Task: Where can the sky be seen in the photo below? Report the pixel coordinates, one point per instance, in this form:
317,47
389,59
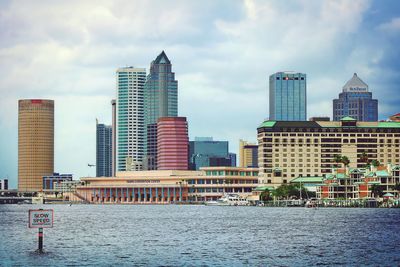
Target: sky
222,53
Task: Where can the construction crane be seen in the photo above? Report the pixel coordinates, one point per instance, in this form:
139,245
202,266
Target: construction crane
91,165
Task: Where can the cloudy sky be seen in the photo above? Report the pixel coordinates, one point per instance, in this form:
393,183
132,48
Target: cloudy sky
222,53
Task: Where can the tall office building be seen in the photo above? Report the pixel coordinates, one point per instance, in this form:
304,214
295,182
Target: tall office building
35,143
160,100
130,119
172,143
248,154
103,150
355,101
114,137
205,152
288,96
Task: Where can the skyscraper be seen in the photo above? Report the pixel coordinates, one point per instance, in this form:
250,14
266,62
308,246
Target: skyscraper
35,143
114,137
205,152
288,96
103,150
160,100
172,143
248,154
355,101
129,119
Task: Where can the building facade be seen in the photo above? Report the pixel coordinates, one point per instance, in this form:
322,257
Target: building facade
205,152
160,100
35,143
172,143
355,101
358,183
114,137
288,96
248,154
130,119
292,149
50,180
103,150
3,184
169,186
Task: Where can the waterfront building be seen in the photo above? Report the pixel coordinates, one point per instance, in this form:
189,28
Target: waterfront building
291,149
66,186
50,180
3,184
395,117
248,153
357,183
35,143
129,119
205,152
114,137
169,186
319,119
288,96
172,143
355,101
160,100
103,150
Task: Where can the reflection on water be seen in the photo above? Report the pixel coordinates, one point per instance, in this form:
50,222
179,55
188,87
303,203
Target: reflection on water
88,235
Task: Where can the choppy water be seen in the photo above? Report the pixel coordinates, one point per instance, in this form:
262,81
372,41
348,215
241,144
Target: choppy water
95,235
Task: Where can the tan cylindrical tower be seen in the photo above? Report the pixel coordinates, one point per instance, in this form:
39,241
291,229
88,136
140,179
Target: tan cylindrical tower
35,143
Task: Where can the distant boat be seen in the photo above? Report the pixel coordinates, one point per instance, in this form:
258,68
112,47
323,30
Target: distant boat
228,200
311,203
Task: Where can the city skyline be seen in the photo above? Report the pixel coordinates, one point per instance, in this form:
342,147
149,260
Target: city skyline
222,60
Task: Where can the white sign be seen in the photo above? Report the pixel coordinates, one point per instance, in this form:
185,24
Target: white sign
41,218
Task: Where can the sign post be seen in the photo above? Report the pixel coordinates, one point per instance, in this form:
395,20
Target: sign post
41,219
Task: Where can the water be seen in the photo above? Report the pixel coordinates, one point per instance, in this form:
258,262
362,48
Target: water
96,235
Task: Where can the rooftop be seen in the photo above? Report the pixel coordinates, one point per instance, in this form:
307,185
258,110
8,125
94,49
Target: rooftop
355,84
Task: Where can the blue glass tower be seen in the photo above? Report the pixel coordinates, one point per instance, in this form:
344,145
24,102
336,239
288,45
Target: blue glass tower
355,101
103,150
288,96
204,152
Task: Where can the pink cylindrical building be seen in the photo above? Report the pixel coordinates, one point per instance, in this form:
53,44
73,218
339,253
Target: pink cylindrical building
172,143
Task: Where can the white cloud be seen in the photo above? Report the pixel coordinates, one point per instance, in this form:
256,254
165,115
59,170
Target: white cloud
222,53
392,26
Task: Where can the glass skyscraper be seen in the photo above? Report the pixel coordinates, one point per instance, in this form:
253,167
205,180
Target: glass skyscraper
288,96
160,100
130,119
355,101
103,150
204,152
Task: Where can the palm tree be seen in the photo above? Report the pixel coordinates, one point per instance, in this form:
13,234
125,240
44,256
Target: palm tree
364,158
375,163
345,161
396,187
376,190
337,159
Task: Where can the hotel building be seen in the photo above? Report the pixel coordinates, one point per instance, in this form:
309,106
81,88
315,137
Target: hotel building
129,119
35,143
292,149
172,143
168,186
355,101
160,100
288,96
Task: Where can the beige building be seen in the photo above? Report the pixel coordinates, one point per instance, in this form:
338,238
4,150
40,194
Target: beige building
289,149
247,154
168,186
35,143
